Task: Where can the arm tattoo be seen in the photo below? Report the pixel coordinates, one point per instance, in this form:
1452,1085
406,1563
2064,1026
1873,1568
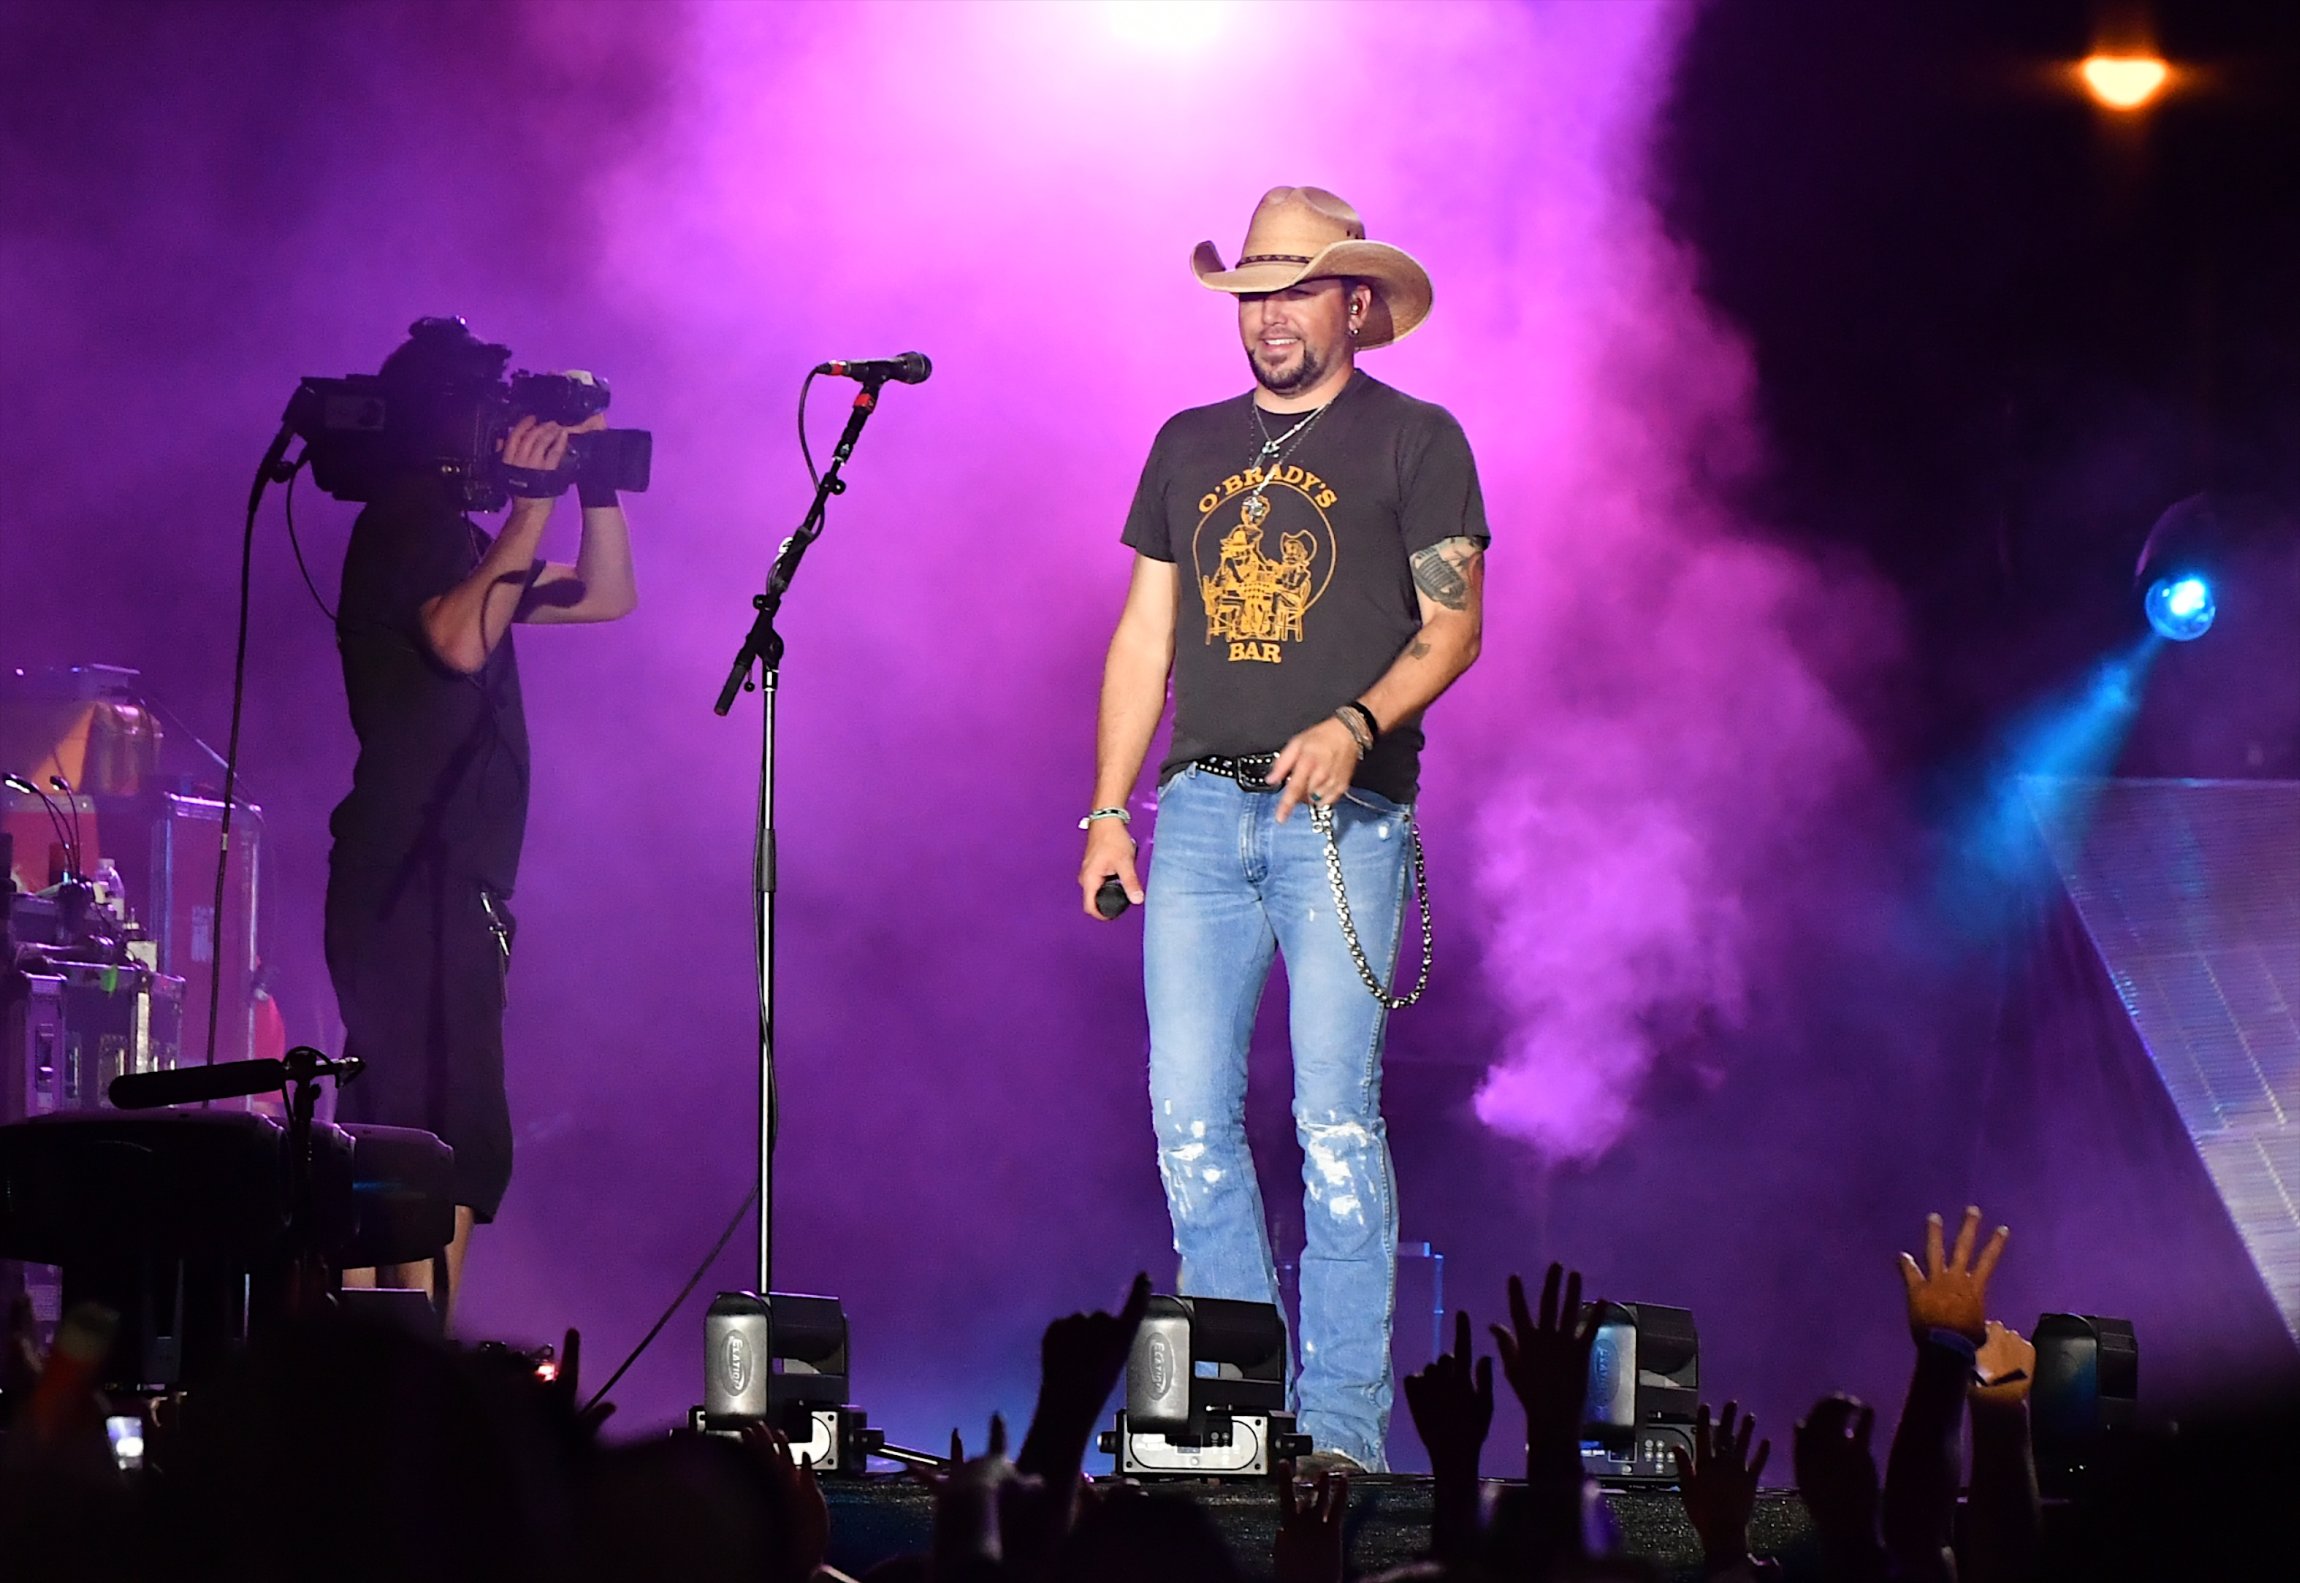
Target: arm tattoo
1419,648
1441,571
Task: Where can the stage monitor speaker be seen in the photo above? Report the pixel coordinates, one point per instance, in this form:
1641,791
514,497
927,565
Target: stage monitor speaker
781,1360
1205,1393
1644,1386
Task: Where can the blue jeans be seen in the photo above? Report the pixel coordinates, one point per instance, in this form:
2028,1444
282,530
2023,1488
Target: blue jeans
1228,885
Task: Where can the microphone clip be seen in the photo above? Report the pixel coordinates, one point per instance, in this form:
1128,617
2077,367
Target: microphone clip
305,1064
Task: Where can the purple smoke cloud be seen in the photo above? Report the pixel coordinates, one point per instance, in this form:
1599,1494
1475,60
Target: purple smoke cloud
1635,757
703,200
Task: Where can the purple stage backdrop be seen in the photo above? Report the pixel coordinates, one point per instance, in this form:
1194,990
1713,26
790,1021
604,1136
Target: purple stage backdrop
1671,1034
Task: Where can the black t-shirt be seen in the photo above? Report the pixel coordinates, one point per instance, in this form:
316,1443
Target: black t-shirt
1297,600
442,770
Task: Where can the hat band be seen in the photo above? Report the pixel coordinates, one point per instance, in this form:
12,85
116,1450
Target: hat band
1273,258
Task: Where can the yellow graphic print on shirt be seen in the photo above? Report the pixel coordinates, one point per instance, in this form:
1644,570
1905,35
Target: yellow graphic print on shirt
1254,601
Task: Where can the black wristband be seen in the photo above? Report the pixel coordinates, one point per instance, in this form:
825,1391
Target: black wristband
1373,731
596,497
535,483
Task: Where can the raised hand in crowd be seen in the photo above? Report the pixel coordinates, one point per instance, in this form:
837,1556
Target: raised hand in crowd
973,1498
1311,1533
1837,1476
1948,1319
1951,1293
1080,1361
2004,1514
1546,1360
2003,1369
580,1423
1452,1406
1719,1484
801,1517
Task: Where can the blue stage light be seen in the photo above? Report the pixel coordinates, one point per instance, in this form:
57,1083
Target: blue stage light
2180,608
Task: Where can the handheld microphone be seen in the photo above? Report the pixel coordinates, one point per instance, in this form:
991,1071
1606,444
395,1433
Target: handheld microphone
1111,899
911,369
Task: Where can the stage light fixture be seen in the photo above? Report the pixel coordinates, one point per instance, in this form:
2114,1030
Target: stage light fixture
2124,82
1644,1386
2181,606
1205,1393
2198,548
781,1360
2085,1390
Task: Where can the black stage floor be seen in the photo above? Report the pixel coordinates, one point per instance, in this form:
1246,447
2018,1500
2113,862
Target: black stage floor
876,1518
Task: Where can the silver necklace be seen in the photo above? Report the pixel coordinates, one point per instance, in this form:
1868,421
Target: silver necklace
1271,447
1271,451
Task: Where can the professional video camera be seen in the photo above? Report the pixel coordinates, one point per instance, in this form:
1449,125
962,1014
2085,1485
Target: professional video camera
442,406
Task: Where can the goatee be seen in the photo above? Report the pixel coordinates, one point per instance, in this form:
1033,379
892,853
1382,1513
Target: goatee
1304,374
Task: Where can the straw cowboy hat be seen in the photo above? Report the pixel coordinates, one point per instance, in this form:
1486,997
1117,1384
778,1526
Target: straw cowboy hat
1306,233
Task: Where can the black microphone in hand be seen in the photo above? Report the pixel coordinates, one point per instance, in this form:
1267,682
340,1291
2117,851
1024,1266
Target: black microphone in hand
1111,899
910,369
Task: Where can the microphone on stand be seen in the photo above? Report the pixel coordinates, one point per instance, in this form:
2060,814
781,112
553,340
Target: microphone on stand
910,369
64,836
72,807
195,1085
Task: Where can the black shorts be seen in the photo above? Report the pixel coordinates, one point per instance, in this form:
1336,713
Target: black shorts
420,965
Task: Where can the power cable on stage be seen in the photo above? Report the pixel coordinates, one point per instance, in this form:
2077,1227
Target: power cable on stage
678,1302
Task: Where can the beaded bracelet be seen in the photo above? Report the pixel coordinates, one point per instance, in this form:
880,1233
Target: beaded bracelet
1119,814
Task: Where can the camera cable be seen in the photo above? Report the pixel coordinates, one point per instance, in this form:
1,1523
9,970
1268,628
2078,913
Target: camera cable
805,454
267,472
296,544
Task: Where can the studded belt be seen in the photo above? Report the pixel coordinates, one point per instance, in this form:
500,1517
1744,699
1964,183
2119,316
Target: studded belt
1251,771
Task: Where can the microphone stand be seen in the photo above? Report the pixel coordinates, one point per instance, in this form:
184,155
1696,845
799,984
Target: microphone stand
763,647
308,1274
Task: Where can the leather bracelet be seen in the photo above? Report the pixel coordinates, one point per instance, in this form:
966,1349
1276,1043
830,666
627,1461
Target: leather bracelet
1119,814
1373,727
1358,737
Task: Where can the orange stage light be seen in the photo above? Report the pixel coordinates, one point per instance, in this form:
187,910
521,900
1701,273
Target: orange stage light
2124,82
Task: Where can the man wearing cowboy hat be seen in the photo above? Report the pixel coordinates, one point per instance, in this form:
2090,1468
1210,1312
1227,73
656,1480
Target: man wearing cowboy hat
1309,568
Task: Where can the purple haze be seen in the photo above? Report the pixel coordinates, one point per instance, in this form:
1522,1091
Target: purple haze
1625,800
1645,737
